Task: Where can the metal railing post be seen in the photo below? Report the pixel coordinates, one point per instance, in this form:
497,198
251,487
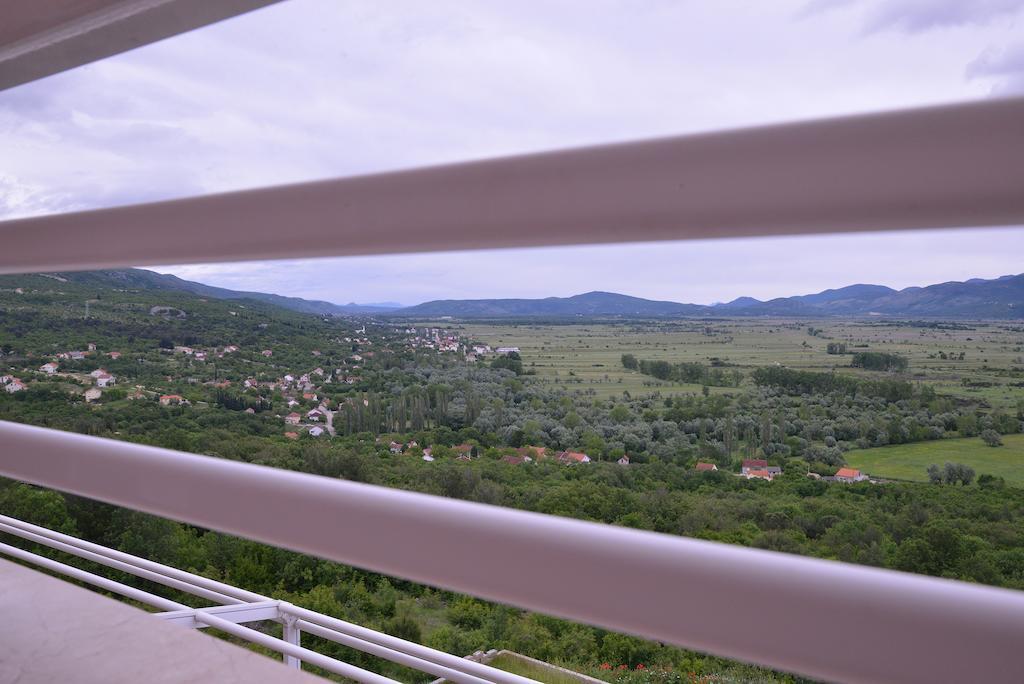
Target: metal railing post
293,635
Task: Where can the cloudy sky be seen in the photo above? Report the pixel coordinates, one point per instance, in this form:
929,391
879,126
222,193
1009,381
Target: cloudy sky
318,88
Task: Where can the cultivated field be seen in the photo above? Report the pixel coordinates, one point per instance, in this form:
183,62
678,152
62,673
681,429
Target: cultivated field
909,461
587,356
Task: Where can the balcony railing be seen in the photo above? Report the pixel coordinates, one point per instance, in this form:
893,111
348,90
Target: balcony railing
960,165
234,607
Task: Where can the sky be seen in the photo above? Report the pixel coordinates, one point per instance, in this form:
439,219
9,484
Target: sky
311,89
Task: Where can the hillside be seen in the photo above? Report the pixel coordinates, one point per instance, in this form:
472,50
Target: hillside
137,278
975,299
588,304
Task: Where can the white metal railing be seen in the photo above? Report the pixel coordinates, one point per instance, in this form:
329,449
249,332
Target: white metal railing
814,617
236,607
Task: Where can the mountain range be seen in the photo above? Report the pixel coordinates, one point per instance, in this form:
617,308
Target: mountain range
976,298
998,298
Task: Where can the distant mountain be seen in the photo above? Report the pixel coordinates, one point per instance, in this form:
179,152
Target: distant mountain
588,304
976,298
140,278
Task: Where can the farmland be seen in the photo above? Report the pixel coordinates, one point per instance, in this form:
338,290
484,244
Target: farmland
587,356
909,461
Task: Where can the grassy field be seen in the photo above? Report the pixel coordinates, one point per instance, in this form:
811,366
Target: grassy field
588,356
909,461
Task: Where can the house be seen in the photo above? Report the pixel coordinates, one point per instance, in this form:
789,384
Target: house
49,368
463,451
753,464
187,351
850,475
758,474
97,373
267,352
4,379
316,431
14,385
532,453
706,467
292,402
91,346
516,460
428,455
92,394
314,414
309,396
507,350
105,380
171,399
395,448
200,356
291,435
76,355
230,349
250,410
292,418
137,394
624,460
572,457
114,355
318,371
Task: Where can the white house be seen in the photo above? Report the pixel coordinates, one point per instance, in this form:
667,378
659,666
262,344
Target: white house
14,385
49,368
507,350
105,380
316,431
92,394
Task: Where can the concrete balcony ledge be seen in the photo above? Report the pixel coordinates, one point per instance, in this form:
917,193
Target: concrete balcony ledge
54,631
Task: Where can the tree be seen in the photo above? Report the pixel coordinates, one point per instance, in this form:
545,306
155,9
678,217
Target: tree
629,361
991,438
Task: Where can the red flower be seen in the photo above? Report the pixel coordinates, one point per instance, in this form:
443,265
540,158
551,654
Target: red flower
622,667
605,666
640,666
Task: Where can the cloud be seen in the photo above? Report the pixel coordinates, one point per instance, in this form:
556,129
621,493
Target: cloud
1003,65
914,16
918,16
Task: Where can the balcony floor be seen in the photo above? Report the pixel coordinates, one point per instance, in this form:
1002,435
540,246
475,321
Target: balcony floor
53,631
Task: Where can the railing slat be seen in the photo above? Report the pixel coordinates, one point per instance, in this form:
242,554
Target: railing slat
951,166
819,618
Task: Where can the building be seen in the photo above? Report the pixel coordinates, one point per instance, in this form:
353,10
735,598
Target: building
292,418
753,464
395,448
291,435
114,355
624,460
507,350
850,475
267,352
92,394
14,385
314,414
171,400
533,453
516,460
49,368
758,474
316,431
572,457
105,380
706,467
